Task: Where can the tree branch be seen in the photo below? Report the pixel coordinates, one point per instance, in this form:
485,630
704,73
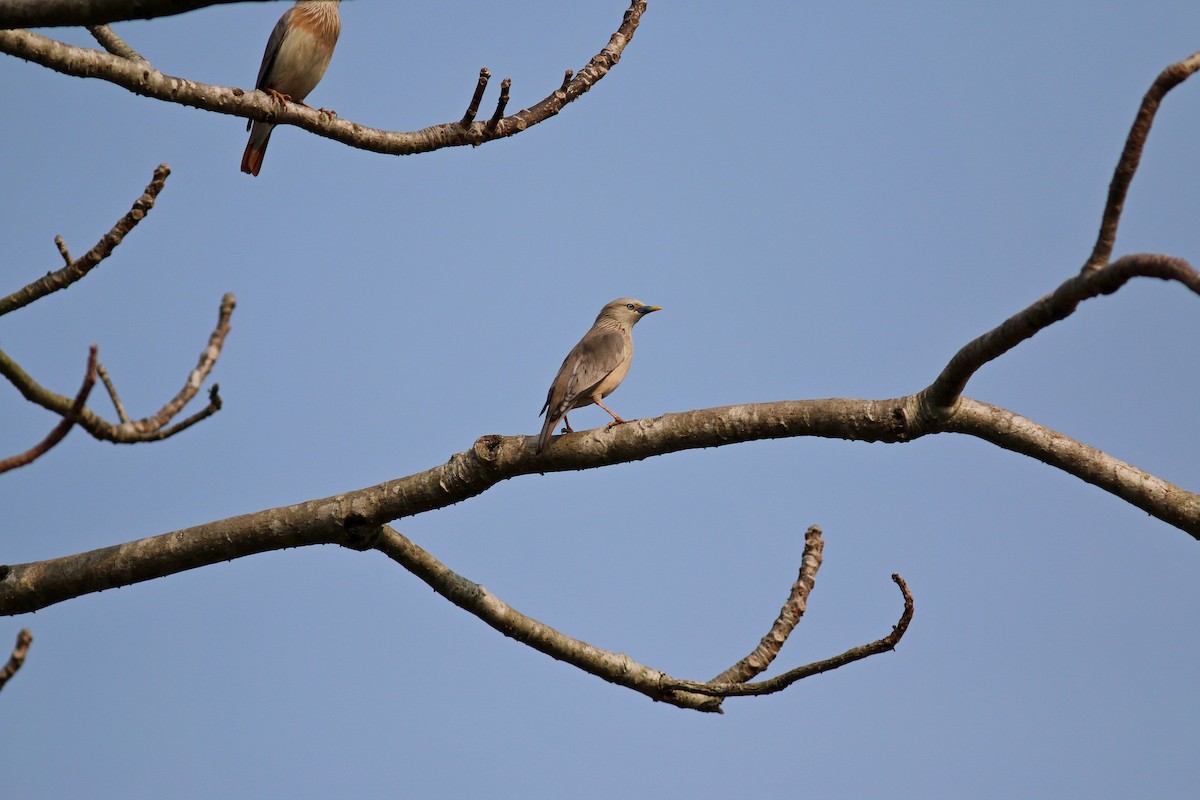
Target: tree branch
62,13
148,429
493,459
64,426
1131,156
76,269
140,78
113,43
615,668
789,616
781,682
17,659
619,668
1056,306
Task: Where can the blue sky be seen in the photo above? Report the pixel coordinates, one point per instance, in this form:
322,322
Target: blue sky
828,200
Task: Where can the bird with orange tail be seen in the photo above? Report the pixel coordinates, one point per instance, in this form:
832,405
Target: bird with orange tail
295,60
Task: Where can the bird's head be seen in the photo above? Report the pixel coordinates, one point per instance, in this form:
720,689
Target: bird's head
625,311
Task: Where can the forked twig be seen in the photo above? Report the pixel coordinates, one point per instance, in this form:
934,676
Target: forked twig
613,667
76,269
149,429
64,425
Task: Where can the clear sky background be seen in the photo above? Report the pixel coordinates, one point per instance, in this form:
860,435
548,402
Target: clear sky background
828,200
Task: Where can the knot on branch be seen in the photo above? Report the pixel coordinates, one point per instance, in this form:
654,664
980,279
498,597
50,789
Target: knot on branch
361,533
487,448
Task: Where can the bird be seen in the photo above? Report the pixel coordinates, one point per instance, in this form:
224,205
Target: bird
294,62
595,367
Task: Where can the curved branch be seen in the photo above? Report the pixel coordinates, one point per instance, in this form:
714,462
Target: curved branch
615,668
64,426
1157,497
140,78
1131,156
62,13
1056,306
17,659
76,269
148,429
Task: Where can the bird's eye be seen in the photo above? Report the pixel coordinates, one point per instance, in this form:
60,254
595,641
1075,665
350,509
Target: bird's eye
629,306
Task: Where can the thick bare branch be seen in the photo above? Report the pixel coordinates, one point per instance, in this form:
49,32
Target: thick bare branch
76,269
17,659
149,429
1155,496
29,587
61,13
140,78
789,616
64,425
1131,156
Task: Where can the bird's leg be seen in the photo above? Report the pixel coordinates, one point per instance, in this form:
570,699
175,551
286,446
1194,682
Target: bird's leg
616,420
567,426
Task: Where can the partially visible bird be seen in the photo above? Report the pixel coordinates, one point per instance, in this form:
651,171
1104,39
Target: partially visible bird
595,367
295,60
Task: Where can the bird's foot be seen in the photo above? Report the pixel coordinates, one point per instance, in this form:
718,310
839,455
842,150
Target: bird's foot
617,421
279,96
327,113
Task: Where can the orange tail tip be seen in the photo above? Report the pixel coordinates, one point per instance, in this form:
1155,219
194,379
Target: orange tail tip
252,159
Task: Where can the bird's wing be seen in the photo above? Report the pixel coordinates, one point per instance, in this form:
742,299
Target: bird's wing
273,44
590,362
272,50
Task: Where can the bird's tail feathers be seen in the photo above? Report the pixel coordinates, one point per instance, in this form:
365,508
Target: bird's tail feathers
547,431
256,148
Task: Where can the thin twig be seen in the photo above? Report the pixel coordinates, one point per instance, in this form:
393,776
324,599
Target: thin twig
501,104
789,615
62,250
214,405
64,425
112,393
17,659
76,269
477,98
113,43
208,359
